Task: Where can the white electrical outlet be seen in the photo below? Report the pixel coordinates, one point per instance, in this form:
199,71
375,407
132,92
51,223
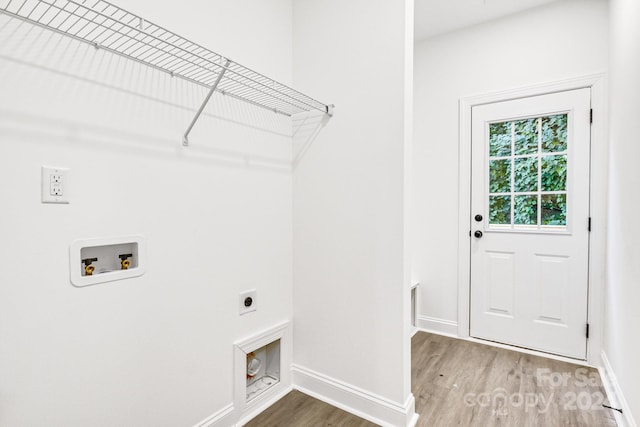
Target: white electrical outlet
248,301
55,185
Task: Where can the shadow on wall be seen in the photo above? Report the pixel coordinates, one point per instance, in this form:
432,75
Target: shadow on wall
56,87
306,127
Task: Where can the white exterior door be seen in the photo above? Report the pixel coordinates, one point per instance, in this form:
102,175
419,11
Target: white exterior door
530,222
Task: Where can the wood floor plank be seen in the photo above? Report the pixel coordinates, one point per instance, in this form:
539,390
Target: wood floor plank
467,384
299,410
462,383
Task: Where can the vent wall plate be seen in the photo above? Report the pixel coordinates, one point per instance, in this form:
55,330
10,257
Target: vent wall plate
262,369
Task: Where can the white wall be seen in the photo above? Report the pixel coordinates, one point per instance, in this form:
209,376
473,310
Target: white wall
351,312
155,350
622,346
562,40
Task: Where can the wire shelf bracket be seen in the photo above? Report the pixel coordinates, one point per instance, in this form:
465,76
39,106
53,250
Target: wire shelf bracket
109,27
185,138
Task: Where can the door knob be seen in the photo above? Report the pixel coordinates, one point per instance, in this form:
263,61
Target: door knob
478,217
478,234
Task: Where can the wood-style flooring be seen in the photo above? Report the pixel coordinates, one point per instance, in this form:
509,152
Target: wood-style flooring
299,410
461,383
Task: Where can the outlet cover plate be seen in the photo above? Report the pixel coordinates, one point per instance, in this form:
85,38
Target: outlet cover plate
55,185
244,309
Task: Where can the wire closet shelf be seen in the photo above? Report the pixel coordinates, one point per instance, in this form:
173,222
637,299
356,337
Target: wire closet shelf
109,27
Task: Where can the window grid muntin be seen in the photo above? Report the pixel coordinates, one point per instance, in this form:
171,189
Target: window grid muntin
540,154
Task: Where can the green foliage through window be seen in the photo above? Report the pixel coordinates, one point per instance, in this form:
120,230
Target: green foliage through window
500,176
499,209
554,209
500,139
554,173
526,174
554,133
526,136
525,210
527,161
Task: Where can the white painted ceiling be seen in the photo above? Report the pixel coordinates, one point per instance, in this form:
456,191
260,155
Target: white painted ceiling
433,17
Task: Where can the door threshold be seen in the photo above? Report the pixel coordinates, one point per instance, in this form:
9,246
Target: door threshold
582,362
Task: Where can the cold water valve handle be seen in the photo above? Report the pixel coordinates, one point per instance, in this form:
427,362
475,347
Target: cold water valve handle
124,262
88,268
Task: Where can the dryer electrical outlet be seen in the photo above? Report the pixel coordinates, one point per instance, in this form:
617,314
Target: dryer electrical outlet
248,301
55,185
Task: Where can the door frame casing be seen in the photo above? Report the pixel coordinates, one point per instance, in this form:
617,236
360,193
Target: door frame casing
597,200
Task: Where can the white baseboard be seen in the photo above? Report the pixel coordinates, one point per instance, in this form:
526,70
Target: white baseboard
614,393
362,403
223,418
262,406
438,326
227,416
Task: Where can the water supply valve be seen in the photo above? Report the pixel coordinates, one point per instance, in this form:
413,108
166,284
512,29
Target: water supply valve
88,268
124,261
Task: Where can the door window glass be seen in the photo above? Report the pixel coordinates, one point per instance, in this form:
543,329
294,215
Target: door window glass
528,173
